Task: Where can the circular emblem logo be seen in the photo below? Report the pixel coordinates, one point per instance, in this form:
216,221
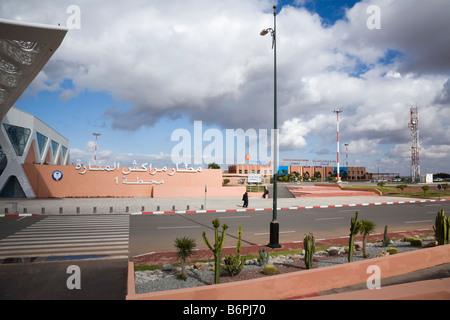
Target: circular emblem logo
57,175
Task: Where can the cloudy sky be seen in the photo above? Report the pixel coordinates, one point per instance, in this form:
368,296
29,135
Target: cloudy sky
137,71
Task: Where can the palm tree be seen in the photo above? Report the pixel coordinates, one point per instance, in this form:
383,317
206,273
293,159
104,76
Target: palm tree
185,248
367,227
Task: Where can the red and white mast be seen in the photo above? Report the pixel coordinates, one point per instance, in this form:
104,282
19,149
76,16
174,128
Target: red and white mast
337,118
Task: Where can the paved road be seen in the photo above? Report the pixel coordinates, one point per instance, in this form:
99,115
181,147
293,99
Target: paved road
47,237
151,233
55,237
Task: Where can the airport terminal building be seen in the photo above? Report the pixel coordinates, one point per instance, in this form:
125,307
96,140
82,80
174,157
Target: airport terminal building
25,48
34,158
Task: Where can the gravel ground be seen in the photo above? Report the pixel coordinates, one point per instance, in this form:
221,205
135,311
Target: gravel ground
152,281
372,252
170,282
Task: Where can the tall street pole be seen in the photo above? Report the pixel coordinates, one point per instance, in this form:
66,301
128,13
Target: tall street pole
337,116
274,226
96,134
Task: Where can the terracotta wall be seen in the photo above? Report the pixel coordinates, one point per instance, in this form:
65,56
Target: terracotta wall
302,283
79,181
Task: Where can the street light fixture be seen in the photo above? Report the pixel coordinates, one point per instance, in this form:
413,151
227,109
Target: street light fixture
96,134
274,226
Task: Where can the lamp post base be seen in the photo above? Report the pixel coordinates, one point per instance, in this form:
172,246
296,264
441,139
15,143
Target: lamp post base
274,235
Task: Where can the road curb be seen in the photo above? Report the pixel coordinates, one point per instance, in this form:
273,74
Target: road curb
5,215
289,208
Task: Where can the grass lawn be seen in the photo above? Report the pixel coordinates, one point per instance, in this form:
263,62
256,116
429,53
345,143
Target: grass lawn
412,192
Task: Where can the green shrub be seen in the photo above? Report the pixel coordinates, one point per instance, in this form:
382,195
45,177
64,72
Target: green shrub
234,264
182,276
270,270
185,248
346,250
392,251
263,257
415,242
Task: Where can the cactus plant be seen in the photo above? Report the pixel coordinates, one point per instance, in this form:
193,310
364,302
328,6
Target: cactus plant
217,248
355,226
392,250
263,257
309,246
441,228
386,240
415,242
270,270
234,264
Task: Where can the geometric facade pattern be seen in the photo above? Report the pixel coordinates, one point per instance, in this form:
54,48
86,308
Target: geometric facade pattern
26,139
18,137
25,48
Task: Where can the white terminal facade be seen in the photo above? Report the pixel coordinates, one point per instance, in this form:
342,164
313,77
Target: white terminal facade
25,48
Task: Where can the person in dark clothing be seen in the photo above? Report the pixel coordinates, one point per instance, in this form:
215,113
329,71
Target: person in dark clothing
266,192
245,199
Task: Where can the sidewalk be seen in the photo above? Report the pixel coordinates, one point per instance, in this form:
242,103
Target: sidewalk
183,205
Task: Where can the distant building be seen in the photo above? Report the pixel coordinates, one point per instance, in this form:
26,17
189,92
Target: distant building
263,170
426,178
322,173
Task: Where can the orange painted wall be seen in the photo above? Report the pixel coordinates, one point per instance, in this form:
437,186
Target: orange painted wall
103,183
302,283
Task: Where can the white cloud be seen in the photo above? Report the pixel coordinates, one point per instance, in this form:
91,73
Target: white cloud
293,132
364,146
205,60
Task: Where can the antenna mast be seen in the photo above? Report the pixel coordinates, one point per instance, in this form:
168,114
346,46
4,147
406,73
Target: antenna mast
414,127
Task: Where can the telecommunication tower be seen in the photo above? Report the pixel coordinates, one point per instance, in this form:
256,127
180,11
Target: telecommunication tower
414,127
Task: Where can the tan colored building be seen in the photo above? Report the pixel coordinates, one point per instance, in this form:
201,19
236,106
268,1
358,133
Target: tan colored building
263,170
322,173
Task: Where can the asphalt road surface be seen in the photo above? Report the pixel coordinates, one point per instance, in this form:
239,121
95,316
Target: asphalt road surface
152,233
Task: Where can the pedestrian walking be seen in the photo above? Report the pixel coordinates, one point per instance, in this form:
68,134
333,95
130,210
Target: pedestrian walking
245,199
266,193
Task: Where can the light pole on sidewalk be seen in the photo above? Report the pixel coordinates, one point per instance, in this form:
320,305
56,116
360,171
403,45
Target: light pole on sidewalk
274,226
96,134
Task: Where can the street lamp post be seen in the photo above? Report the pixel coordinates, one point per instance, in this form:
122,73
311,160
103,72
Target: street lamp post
274,226
346,161
96,134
